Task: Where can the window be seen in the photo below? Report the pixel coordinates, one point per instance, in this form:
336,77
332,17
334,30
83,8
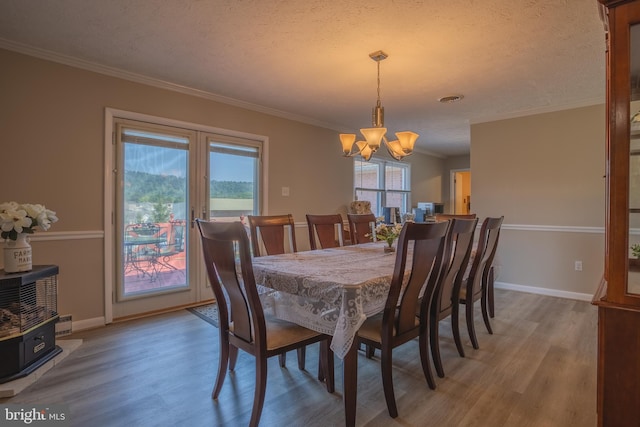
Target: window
383,183
234,178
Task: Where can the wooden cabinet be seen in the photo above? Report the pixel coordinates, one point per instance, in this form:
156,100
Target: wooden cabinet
618,297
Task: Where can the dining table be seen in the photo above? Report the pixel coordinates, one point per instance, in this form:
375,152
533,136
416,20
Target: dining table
331,291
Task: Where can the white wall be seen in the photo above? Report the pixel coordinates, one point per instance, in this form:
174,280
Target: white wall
544,173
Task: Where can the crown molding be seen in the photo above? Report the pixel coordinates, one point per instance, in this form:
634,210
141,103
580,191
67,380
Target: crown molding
588,102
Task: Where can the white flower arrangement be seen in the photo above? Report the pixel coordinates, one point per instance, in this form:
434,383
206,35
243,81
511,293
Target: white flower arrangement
388,233
16,218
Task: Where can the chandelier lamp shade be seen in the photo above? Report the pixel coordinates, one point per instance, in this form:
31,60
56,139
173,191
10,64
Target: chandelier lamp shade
374,136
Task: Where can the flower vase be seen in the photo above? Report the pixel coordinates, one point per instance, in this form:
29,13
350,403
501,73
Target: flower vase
17,255
389,247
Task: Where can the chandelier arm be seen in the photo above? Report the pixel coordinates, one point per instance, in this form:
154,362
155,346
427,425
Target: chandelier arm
354,152
393,153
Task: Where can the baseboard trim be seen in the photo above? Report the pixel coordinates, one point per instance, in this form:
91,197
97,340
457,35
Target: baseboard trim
544,291
80,325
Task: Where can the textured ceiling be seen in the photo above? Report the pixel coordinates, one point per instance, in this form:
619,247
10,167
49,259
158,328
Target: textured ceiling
310,58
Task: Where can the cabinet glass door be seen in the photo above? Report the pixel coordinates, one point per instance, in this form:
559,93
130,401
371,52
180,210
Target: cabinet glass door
633,286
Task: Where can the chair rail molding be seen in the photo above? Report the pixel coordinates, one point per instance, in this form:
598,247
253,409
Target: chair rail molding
66,235
555,228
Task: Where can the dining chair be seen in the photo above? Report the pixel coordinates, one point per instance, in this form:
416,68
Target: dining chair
269,231
476,285
174,245
398,323
359,226
445,301
326,228
243,324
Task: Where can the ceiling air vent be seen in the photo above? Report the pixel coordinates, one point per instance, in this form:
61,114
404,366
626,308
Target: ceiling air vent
450,98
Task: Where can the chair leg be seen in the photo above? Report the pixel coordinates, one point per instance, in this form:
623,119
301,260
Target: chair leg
492,307
455,327
325,366
370,351
424,359
222,367
233,357
434,334
283,359
387,380
261,386
485,313
302,354
321,363
470,326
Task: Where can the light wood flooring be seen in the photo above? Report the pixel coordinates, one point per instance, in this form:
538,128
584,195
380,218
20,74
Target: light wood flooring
537,369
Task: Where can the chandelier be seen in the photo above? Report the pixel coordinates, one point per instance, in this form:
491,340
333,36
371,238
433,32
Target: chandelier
398,149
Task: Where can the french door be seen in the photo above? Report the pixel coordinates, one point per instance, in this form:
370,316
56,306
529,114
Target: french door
165,177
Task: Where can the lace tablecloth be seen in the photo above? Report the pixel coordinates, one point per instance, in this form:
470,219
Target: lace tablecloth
330,291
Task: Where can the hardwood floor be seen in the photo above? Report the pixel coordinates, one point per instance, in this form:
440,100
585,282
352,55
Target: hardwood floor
538,369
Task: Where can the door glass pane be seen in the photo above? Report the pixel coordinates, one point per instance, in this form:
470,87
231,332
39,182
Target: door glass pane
154,212
233,181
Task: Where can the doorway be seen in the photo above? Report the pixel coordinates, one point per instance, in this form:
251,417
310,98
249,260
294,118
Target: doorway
162,175
460,191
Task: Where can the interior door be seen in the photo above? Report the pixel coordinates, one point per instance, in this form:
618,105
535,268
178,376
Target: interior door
461,191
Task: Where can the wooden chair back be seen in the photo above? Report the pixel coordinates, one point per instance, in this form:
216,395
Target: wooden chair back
220,243
406,296
359,226
480,280
270,230
327,228
457,255
485,253
459,243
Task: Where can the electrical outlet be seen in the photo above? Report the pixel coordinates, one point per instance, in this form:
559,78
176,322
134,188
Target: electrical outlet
285,191
578,265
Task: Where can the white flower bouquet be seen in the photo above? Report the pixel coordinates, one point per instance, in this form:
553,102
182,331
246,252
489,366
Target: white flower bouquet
388,233
23,218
